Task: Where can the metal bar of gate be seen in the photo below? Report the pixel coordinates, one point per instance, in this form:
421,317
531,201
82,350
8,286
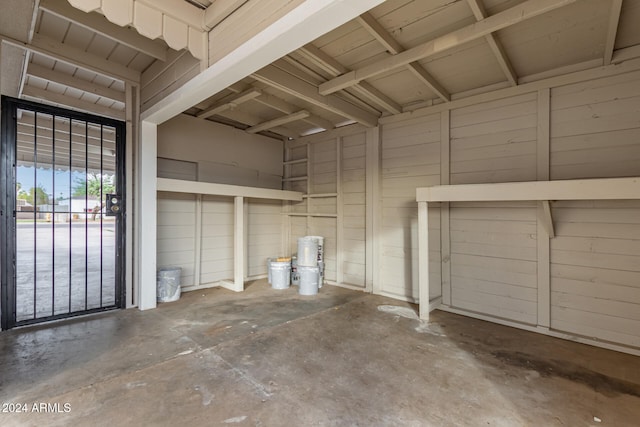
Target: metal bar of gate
35,213
53,216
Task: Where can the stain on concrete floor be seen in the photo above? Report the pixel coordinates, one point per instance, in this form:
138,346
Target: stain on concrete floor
273,358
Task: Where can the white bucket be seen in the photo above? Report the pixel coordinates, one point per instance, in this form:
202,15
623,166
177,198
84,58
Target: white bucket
280,274
295,275
309,280
307,252
269,260
320,241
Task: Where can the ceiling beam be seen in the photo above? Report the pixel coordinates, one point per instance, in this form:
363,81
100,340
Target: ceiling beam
229,103
76,57
496,46
285,82
49,75
279,104
334,68
102,26
306,22
374,28
270,124
284,107
23,76
504,19
73,103
219,10
612,30
249,120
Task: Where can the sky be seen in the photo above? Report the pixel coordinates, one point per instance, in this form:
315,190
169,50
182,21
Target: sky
56,184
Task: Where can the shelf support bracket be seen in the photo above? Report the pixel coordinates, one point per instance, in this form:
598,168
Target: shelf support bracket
546,218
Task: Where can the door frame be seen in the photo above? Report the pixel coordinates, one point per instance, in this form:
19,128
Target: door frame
8,135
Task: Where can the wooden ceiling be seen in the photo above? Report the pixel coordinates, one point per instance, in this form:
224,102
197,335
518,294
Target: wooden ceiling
400,56
407,54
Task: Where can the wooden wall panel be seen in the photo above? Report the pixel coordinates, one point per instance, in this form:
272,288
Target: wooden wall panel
493,245
494,259
354,209
595,128
595,270
176,234
410,159
494,141
217,239
264,233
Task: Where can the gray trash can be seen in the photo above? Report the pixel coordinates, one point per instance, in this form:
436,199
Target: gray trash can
168,284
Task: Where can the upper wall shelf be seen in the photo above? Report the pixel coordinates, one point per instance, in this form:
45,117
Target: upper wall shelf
575,189
196,187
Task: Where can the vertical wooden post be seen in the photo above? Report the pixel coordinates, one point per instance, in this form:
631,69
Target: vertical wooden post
423,259
146,220
543,174
445,230
130,213
238,244
198,242
340,212
372,197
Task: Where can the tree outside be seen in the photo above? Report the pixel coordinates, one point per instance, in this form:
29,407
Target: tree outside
92,184
35,196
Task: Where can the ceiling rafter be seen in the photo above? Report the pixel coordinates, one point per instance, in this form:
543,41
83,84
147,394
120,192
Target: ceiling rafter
612,30
370,24
49,75
302,71
27,55
229,103
287,83
248,120
100,25
279,104
284,107
496,46
270,124
23,77
334,68
73,103
504,19
76,57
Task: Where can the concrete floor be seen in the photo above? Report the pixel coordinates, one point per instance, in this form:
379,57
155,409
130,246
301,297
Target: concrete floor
272,358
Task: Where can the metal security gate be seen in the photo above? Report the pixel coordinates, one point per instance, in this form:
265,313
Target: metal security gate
62,228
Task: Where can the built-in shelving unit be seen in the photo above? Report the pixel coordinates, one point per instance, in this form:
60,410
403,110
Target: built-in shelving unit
239,193
541,191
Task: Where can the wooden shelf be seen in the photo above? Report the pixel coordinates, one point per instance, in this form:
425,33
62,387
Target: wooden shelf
574,189
197,187
319,196
321,215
